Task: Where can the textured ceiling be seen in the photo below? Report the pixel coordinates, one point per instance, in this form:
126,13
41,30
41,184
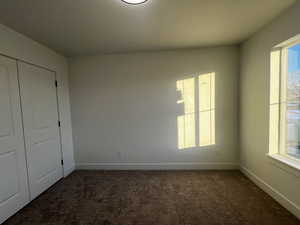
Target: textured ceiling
85,27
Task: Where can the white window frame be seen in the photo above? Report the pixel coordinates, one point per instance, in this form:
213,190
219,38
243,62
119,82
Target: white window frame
279,153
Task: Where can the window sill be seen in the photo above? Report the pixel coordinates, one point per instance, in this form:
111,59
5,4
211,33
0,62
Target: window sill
286,163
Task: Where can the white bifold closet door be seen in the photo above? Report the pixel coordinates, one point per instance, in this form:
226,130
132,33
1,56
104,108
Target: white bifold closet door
14,192
41,131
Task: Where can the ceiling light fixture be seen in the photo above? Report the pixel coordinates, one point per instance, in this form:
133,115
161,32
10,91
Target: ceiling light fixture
134,2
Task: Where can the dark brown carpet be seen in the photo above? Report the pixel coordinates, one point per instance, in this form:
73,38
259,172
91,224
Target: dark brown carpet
154,198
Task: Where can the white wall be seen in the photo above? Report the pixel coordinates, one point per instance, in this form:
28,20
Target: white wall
124,109
254,100
18,46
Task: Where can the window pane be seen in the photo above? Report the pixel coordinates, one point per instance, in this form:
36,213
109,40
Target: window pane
293,102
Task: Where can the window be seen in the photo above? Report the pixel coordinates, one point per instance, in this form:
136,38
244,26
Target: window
196,124
284,126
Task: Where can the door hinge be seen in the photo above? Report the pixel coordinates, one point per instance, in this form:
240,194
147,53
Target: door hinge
58,123
56,83
62,162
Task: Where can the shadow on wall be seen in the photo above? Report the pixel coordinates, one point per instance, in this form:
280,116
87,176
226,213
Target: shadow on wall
196,101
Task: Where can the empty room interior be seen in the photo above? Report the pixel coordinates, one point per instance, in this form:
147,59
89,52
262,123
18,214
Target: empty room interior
150,112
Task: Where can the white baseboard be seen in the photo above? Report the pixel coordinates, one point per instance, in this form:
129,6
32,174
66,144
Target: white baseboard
279,197
157,166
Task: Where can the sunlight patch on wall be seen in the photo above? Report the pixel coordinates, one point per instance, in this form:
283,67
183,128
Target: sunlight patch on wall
207,109
186,122
198,106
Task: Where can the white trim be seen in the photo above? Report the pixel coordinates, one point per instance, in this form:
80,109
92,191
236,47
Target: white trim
286,163
157,166
279,197
290,42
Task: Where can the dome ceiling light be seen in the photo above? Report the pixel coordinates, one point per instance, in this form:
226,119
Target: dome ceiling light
134,2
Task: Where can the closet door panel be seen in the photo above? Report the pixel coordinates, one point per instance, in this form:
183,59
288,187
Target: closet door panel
40,115
14,192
